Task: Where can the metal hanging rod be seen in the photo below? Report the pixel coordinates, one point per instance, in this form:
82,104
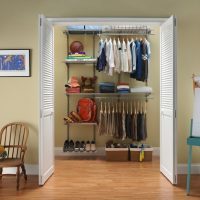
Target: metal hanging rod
114,30
126,30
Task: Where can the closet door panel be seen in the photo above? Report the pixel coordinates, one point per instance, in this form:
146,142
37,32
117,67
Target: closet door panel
168,162
46,132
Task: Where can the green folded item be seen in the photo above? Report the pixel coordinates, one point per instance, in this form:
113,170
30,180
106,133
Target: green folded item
82,57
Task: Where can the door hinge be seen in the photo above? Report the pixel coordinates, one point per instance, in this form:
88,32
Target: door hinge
175,113
40,21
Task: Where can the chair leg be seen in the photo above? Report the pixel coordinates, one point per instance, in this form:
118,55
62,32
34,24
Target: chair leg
24,172
1,170
18,176
189,169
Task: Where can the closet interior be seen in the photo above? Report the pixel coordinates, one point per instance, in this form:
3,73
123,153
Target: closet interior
107,90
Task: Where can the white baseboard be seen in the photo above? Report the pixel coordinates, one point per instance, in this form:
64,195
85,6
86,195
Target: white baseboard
30,170
195,168
100,152
156,151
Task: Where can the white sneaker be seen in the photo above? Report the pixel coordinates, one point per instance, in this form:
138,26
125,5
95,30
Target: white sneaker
93,146
88,146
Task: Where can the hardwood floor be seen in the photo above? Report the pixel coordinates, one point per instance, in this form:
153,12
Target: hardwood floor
95,179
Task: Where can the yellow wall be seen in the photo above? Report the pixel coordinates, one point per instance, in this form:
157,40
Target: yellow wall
86,132
19,29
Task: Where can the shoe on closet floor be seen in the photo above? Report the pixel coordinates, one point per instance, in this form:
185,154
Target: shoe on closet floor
109,144
66,146
71,146
88,146
82,146
93,146
77,146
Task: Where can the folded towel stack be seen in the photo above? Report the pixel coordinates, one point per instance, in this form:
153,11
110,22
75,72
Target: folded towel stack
80,56
123,88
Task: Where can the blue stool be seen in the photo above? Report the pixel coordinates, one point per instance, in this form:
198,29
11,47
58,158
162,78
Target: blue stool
191,141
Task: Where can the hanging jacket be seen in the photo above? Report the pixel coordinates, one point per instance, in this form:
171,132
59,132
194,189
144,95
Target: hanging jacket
101,59
138,73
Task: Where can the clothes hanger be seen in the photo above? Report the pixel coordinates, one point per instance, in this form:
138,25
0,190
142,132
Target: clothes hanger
145,107
135,109
127,107
131,108
116,108
138,107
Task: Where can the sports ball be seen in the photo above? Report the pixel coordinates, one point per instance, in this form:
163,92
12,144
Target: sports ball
76,46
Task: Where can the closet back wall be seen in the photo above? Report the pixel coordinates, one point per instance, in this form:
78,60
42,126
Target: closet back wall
20,96
86,132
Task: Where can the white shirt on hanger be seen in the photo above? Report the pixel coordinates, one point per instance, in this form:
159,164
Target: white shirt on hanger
110,58
119,46
129,56
124,57
107,56
116,57
148,48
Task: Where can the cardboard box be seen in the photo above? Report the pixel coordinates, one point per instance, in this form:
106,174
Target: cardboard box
117,154
135,154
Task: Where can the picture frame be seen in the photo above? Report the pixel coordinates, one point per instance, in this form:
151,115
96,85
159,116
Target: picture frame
15,63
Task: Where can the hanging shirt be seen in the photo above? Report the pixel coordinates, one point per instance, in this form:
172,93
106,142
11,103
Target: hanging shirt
148,49
129,56
106,47
138,73
119,46
124,57
144,69
110,58
116,57
133,56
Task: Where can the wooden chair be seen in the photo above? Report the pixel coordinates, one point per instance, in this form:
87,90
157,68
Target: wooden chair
13,137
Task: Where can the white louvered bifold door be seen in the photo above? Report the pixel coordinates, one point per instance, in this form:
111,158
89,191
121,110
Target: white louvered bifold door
168,159
46,133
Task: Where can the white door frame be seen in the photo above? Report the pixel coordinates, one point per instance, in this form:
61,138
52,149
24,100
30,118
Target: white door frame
108,21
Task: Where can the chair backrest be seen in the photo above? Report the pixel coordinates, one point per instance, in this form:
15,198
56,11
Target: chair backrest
13,137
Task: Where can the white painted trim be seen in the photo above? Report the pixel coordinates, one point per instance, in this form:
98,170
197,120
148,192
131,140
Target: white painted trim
107,21
195,168
156,151
30,169
44,177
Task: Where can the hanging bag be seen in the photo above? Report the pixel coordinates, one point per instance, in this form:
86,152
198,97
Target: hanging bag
86,109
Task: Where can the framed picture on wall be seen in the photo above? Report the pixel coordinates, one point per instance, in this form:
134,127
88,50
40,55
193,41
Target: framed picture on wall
15,62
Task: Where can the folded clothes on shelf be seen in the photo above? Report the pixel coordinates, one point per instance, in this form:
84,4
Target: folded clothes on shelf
106,87
123,91
73,90
123,88
144,89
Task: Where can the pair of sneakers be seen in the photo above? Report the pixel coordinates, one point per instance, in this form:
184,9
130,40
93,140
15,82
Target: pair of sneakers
79,146
68,146
90,146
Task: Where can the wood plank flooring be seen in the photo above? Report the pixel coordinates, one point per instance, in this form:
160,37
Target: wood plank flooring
96,179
